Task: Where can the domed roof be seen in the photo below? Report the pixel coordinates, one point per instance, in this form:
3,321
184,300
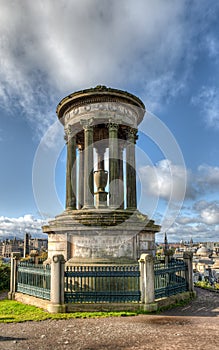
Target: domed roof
216,264
100,93
203,251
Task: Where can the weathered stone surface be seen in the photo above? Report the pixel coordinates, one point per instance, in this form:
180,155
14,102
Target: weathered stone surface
101,234
101,225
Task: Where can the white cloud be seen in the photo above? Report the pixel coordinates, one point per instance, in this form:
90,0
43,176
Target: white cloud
208,177
204,180
211,215
200,222
198,231
11,227
212,46
208,212
208,100
51,48
164,180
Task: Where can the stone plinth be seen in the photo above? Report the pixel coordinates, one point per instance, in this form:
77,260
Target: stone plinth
101,234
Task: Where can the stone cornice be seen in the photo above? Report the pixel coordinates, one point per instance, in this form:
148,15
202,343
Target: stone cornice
97,95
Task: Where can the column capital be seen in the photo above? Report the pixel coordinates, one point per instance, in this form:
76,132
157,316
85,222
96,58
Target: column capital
87,124
68,133
131,134
113,126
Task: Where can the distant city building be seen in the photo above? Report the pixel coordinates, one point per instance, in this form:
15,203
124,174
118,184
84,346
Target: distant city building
10,245
205,257
25,246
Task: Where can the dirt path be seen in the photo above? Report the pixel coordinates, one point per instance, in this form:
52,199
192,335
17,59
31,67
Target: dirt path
195,326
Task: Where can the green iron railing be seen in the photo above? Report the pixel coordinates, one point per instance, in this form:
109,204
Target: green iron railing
169,279
102,284
34,280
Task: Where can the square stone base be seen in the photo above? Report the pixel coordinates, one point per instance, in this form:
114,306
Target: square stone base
85,236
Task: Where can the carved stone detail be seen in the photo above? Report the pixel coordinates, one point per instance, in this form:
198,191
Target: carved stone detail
68,133
112,126
131,134
87,124
124,111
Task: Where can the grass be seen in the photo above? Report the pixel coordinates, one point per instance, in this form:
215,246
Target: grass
179,303
206,285
14,311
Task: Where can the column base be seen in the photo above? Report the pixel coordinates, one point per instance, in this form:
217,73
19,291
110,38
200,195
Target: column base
56,308
11,295
70,209
114,207
88,207
151,307
101,199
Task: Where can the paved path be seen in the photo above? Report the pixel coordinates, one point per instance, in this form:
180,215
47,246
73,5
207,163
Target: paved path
195,326
206,304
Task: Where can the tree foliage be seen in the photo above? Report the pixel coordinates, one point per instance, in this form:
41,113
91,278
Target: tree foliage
4,276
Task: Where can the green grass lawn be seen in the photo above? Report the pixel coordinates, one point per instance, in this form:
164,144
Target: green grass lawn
14,311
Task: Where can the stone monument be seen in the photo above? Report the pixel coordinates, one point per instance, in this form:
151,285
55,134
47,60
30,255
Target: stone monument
101,222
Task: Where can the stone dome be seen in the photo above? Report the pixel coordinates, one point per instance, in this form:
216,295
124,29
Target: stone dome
216,264
203,251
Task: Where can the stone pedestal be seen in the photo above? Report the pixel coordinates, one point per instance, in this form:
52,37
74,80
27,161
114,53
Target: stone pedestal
56,304
101,234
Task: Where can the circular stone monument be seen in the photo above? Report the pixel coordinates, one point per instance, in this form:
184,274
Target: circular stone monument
101,221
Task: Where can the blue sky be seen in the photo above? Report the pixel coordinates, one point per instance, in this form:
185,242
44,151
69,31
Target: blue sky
164,51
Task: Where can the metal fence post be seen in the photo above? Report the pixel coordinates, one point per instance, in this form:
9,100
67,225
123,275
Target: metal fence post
187,258
146,262
56,304
15,257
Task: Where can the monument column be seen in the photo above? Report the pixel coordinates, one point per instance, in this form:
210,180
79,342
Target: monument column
113,166
88,164
81,179
70,170
121,184
131,195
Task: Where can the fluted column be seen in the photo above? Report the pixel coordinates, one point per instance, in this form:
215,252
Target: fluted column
131,195
70,170
113,166
88,164
81,179
121,184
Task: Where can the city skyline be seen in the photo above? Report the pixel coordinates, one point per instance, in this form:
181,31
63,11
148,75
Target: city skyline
166,53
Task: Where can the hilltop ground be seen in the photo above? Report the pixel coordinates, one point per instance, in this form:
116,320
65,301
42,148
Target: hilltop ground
194,326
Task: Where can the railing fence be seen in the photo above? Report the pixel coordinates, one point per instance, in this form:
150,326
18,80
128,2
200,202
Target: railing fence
169,278
34,280
144,283
102,284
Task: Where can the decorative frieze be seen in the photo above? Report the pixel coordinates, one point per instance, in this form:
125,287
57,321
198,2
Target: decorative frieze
116,111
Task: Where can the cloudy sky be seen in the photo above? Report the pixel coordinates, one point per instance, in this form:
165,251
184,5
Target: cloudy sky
164,51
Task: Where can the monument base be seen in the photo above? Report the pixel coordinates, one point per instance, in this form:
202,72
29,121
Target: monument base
101,236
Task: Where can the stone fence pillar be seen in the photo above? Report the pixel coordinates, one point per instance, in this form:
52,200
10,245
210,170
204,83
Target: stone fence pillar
187,258
57,284
15,257
146,262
